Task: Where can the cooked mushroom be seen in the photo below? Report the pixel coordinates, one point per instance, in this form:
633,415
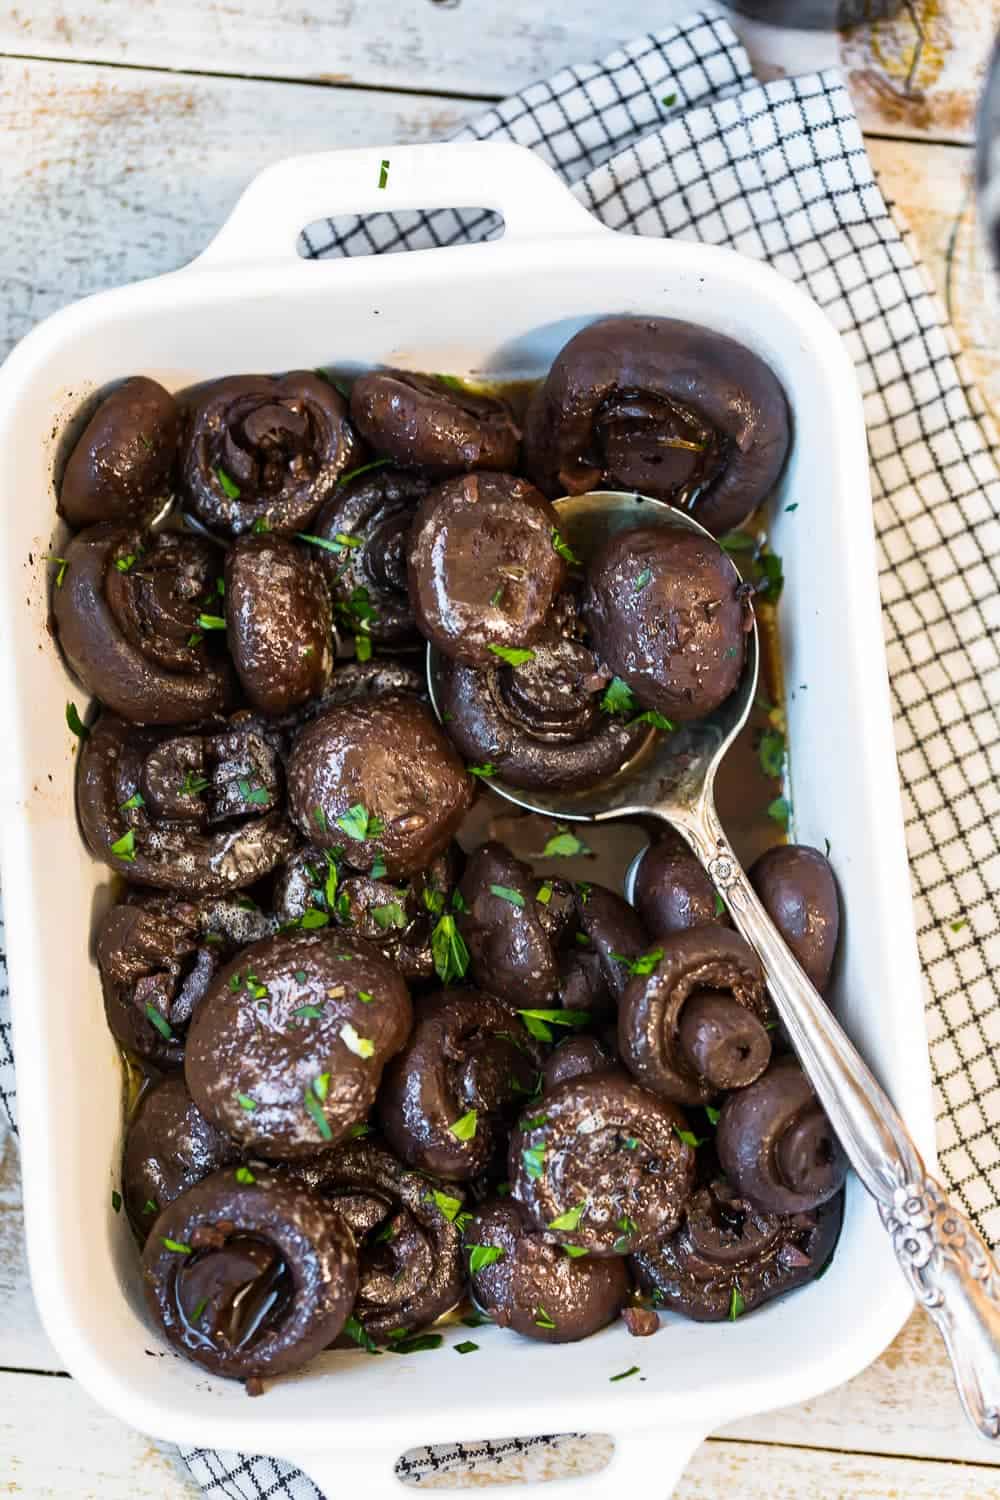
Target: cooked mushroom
119,468
797,887
286,1050
429,423
157,957
249,1274
361,538
278,623
406,1228
523,1281
729,1257
668,614
263,453
573,1058
673,891
169,1147
600,1164
447,1099
777,1146
664,408
541,723
507,929
378,777
128,617
195,813
693,1018
594,971
483,567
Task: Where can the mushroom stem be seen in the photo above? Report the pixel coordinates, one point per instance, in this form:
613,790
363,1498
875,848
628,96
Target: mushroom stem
722,1040
807,1156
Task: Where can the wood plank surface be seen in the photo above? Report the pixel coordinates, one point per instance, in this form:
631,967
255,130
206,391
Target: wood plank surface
475,47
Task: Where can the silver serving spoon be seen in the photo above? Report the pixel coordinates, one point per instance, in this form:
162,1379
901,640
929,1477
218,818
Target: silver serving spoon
943,1256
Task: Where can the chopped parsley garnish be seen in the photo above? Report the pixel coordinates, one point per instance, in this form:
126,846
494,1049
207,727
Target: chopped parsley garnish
771,752
544,893
632,1370
75,723
450,1207
482,1256
689,1138
772,579
486,770
543,1320
534,1161
451,956
573,1251
319,818
570,1220
378,868
62,563
192,784
668,101
466,1347
507,894
314,1108
719,904
539,1022
496,595
644,579
618,698
341,542
321,1086
655,718
738,541
581,939
417,1344
626,1225
116,1201
150,1206
136,800
713,1114
564,549
354,1330
793,506
176,1247
389,916
358,823
211,622
161,1024
737,1306
261,526
245,1102
514,656
357,1131
365,997
309,1012
244,1175
464,1128
376,463
779,810
127,563
564,845
229,487
433,900
194,639
257,990
583,889
383,173
125,846
199,1309
358,610
458,901
310,919
957,926
535,1123
363,647
644,964
359,1045
255,795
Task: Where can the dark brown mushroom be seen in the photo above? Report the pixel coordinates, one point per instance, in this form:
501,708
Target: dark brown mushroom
729,1257
169,1146
539,724
673,891
799,892
262,452
157,957
361,537
600,1164
198,814
405,1226
522,1281
378,777
425,422
249,1275
693,1018
777,1146
662,407
507,929
278,623
483,568
594,969
668,614
286,1050
129,620
573,1058
119,469
447,1099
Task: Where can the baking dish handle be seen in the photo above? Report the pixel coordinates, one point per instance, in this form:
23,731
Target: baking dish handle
643,1463
285,198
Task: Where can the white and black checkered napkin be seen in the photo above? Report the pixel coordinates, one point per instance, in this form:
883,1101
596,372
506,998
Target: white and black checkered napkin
670,136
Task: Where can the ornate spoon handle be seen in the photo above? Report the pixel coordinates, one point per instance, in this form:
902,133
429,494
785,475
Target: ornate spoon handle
943,1256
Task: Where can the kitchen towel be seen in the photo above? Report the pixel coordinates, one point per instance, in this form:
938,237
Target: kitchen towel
671,136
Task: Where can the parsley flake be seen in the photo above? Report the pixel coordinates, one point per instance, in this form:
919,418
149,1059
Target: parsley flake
389,915
125,846
75,723
482,1256
245,1102
514,656
655,718
565,845
780,811
689,1138
719,904
644,579
448,949
771,752
534,1161
464,1128
632,1370
211,622
543,1320
737,1306
62,563
383,173
229,487
161,1024
176,1247
644,964
450,1207
314,1109
507,894
713,1114
361,1336
466,1347
136,800
618,698
486,770
564,549
544,893
573,1251
116,1201
570,1220
538,1022
358,823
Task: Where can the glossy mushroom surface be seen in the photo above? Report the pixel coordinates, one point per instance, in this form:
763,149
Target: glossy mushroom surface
531,1285
405,1227
199,814
507,929
286,1050
263,451
776,1145
668,614
728,1257
662,407
127,616
249,1278
693,1022
447,1100
593,975
169,1146
483,568
573,1058
600,1164
798,889
379,778
424,422
673,891
279,625
119,469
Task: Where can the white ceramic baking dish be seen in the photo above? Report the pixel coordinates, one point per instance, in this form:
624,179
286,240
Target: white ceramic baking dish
504,308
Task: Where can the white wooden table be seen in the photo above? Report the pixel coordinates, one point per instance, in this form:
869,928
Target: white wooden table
128,128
